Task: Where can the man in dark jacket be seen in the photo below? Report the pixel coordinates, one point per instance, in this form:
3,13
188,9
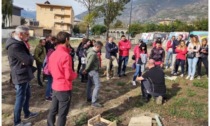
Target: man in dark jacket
21,63
39,56
81,45
153,83
111,56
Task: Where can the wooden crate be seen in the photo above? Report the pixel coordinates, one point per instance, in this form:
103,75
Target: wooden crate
98,118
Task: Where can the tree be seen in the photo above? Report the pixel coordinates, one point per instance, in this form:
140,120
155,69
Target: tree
7,7
89,5
98,29
118,24
76,29
82,27
90,18
135,28
110,11
23,21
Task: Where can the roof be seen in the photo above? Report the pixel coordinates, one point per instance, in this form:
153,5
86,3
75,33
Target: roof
52,5
17,7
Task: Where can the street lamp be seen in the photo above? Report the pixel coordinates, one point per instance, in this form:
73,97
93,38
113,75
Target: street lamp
130,18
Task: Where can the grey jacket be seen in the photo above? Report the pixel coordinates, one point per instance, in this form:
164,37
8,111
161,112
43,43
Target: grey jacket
20,61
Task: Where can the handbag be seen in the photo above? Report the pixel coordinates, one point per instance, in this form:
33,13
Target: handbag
133,57
191,55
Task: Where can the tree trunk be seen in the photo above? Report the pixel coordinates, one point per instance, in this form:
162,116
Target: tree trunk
107,33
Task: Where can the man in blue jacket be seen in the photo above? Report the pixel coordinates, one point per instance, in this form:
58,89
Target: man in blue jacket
111,56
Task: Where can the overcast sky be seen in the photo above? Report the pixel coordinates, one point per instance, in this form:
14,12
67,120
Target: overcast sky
31,4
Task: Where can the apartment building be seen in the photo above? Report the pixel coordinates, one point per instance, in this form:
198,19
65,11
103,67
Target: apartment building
54,18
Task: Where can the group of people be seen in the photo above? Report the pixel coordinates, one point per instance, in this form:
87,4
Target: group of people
189,55
55,57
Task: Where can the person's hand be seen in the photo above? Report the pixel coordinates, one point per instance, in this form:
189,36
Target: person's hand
161,65
84,72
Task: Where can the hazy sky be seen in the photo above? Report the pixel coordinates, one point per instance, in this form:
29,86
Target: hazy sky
31,4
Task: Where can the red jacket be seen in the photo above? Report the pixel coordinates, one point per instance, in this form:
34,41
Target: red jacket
137,52
124,48
169,45
60,67
181,54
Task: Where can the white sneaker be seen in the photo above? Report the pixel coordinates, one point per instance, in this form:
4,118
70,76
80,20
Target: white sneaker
199,77
182,75
188,77
134,83
191,78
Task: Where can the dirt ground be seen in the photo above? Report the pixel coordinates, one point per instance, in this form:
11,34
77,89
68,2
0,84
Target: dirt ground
120,98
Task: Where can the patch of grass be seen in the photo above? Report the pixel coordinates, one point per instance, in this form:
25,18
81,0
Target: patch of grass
83,119
111,117
202,84
190,93
121,83
180,101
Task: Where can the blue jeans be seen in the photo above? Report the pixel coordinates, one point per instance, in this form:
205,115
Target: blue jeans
192,63
49,86
169,59
138,72
143,67
23,94
124,60
93,78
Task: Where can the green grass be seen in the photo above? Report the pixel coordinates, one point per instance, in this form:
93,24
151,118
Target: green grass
83,119
202,84
121,83
112,117
190,93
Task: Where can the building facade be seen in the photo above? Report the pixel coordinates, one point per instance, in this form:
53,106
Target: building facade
16,17
54,18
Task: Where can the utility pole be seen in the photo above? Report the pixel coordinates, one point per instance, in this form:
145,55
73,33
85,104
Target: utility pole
130,18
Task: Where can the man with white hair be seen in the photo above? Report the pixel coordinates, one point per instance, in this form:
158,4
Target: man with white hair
21,62
153,83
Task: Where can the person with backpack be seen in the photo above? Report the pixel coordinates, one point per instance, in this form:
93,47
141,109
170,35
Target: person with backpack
137,54
158,54
203,57
39,55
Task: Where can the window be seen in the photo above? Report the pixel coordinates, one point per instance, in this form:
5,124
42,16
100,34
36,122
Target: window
51,8
62,9
62,17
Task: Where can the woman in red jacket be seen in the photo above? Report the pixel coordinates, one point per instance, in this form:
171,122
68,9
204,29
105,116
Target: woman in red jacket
181,51
137,53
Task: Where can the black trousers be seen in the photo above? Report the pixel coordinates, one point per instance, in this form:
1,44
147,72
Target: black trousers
39,70
79,64
60,105
205,63
178,62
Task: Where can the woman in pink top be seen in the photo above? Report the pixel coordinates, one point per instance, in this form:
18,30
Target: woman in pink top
181,51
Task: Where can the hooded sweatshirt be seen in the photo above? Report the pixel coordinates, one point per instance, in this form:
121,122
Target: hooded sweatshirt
124,47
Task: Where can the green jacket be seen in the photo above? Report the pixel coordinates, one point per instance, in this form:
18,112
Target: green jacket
39,54
92,60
